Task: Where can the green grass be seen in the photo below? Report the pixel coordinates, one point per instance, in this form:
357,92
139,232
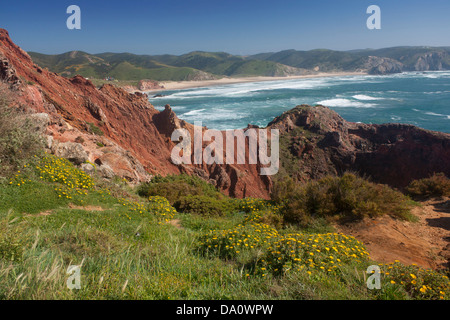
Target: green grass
127,250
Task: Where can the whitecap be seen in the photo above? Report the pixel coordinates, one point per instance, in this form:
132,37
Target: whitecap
437,114
345,103
193,112
364,97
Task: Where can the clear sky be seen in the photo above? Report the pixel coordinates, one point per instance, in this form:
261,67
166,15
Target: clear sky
234,26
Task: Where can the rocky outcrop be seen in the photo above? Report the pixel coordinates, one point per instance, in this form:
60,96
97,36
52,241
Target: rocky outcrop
71,151
381,66
197,75
131,138
316,142
431,61
149,85
75,106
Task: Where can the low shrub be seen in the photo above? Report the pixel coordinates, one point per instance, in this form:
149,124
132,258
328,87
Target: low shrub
346,197
413,282
94,129
19,140
161,208
205,206
261,211
243,237
326,252
173,187
437,185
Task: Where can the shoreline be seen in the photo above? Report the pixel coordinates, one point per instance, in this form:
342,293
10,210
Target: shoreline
180,85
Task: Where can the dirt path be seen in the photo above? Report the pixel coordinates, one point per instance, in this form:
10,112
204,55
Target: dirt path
425,243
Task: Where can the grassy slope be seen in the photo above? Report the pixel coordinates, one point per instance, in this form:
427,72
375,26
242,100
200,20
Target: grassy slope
56,216
127,66
326,60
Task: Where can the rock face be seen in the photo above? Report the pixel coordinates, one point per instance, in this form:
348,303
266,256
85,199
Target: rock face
148,85
124,135
432,61
428,61
377,65
121,132
316,141
71,151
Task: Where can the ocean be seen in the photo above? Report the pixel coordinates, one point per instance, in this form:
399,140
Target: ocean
418,98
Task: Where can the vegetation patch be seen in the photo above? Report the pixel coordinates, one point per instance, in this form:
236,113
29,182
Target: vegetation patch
412,282
348,198
19,140
437,185
94,129
205,205
173,187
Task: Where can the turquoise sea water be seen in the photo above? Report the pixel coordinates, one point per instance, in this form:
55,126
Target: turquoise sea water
419,98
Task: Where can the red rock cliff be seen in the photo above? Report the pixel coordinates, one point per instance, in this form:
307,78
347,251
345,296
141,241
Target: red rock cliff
134,132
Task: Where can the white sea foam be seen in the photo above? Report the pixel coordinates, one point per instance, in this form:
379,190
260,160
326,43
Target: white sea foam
193,112
248,89
364,97
212,115
396,118
437,114
345,103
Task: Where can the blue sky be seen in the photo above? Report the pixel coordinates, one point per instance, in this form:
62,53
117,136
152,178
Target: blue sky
238,27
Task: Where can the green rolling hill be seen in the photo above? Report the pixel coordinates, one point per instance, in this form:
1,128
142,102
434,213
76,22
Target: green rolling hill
199,65
411,58
191,66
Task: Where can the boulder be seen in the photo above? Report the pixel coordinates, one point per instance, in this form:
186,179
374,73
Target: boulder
106,171
88,168
72,151
40,121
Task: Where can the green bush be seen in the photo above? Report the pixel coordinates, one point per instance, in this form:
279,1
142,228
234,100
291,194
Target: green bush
347,197
173,187
437,185
205,206
95,130
19,141
229,243
413,282
161,208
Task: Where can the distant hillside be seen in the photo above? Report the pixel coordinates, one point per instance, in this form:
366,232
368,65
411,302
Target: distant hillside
121,66
200,65
321,59
388,60
416,58
191,66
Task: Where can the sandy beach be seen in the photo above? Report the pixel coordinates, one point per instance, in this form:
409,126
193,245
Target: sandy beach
179,85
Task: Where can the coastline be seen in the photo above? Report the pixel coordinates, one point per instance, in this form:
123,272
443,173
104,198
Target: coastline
180,85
